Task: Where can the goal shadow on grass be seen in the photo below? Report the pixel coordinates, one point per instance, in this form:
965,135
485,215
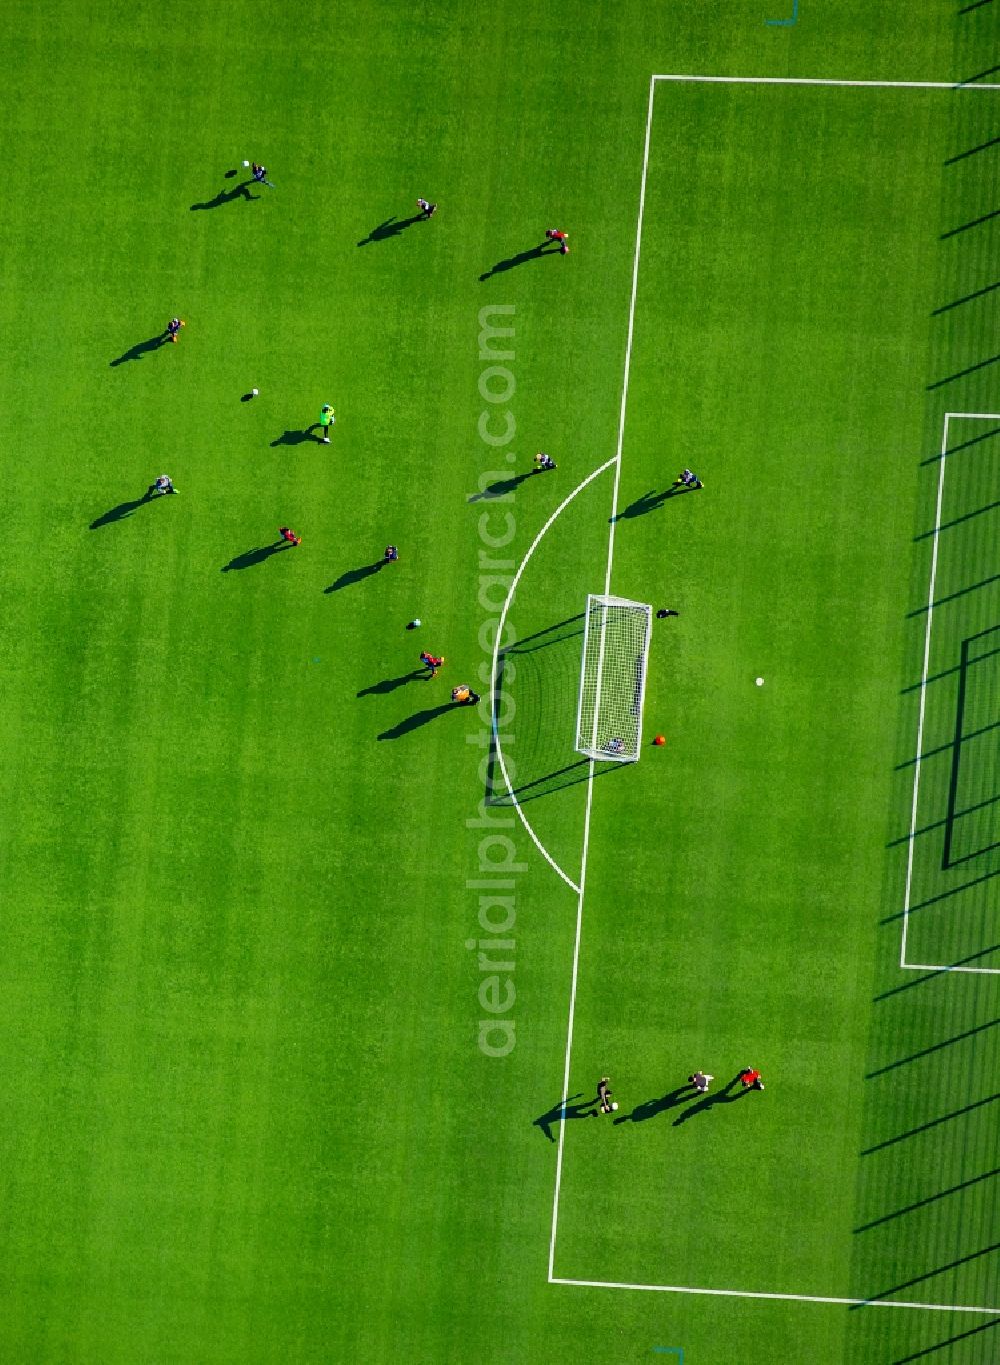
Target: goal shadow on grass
541,676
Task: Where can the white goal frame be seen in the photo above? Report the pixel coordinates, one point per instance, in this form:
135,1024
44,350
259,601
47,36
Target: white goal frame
623,742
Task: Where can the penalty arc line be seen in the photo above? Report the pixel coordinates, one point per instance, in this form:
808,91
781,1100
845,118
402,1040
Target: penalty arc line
502,621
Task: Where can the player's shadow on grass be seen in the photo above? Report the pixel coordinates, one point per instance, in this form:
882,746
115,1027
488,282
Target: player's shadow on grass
241,191
502,486
251,557
296,438
356,575
535,253
565,1109
391,227
649,502
140,349
415,721
119,513
650,1108
387,685
726,1095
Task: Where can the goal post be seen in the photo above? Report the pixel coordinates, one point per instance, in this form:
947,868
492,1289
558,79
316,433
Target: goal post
613,678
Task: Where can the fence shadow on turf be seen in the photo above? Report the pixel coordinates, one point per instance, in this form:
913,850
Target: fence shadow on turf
973,1331
930,1199
957,303
971,151
925,1275
541,673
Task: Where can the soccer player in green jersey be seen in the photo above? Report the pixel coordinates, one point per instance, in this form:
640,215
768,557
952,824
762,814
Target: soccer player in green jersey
326,421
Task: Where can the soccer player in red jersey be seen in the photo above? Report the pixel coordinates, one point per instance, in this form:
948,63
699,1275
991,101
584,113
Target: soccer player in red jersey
554,235
288,534
431,661
750,1077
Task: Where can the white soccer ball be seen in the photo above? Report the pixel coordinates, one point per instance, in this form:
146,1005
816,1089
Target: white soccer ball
255,392
416,620
760,682
246,163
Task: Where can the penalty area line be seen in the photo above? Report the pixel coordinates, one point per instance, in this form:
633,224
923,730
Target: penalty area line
949,417
783,1298
819,80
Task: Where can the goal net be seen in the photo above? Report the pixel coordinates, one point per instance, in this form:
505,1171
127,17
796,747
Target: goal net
612,678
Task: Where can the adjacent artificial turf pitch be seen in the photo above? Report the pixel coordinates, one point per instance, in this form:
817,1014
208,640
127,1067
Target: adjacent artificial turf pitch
266,897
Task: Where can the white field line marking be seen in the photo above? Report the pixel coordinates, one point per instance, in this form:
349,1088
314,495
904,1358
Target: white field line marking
904,965
923,689
812,80
607,590
497,746
659,1288
793,1298
943,967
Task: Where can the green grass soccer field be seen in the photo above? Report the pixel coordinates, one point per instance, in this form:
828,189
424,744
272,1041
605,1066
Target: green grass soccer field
309,974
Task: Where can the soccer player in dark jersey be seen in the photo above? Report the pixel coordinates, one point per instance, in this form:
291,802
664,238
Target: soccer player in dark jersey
164,484
543,462
555,235
174,328
688,479
604,1100
427,209
390,554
